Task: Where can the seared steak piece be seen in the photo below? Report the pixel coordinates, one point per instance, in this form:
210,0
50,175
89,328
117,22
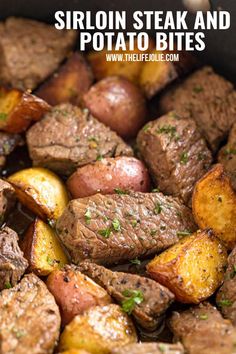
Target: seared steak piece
68,138
7,199
12,261
30,51
150,348
156,298
8,142
112,228
203,330
29,318
227,156
176,154
226,296
207,98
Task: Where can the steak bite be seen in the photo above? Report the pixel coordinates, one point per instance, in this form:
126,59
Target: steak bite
150,348
203,330
226,296
175,153
31,51
29,318
156,298
112,228
12,262
207,98
68,138
8,142
7,199
227,156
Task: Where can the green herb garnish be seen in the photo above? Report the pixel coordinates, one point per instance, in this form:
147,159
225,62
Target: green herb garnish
198,89
7,285
134,223
116,225
50,261
120,191
99,157
225,303
134,297
87,216
153,232
184,158
155,190
203,317
169,130
183,233
135,261
146,127
230,151
3,115
105,232
158,208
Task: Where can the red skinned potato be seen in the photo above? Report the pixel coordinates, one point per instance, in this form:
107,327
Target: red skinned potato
118,103
110,175
18,109
75,293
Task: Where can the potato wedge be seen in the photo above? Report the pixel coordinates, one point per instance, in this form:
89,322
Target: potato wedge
155,75
41,191
68,85
18,109
42,249
75,292
99,330
128,69
214,205
193,268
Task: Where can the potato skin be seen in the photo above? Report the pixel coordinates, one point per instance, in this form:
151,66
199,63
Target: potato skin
193,268
125,173
117,103
41,191
99,330
69,84
214,205
42,249
75,292
20,108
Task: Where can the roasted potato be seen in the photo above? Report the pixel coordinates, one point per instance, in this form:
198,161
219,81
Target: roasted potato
155,75
41,191
75,292
129,69
42,249
98,330
193,268
68,85
214,205
110,175
117,103
18,109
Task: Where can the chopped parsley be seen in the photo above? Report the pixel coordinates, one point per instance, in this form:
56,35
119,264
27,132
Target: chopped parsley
116,225
120,191
3,116
146,127
183,233
168,130
158,208
153,232
184,158
155,190
230,151
87,216
134,223
225,303
162,347
99,157
50,261
7,285
203,317
133,298
92,138
135,261
198,89
105,232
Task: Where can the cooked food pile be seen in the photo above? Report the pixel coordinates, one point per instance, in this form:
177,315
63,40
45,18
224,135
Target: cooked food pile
118,226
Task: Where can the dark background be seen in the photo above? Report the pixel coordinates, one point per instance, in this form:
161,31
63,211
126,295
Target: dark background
220,45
